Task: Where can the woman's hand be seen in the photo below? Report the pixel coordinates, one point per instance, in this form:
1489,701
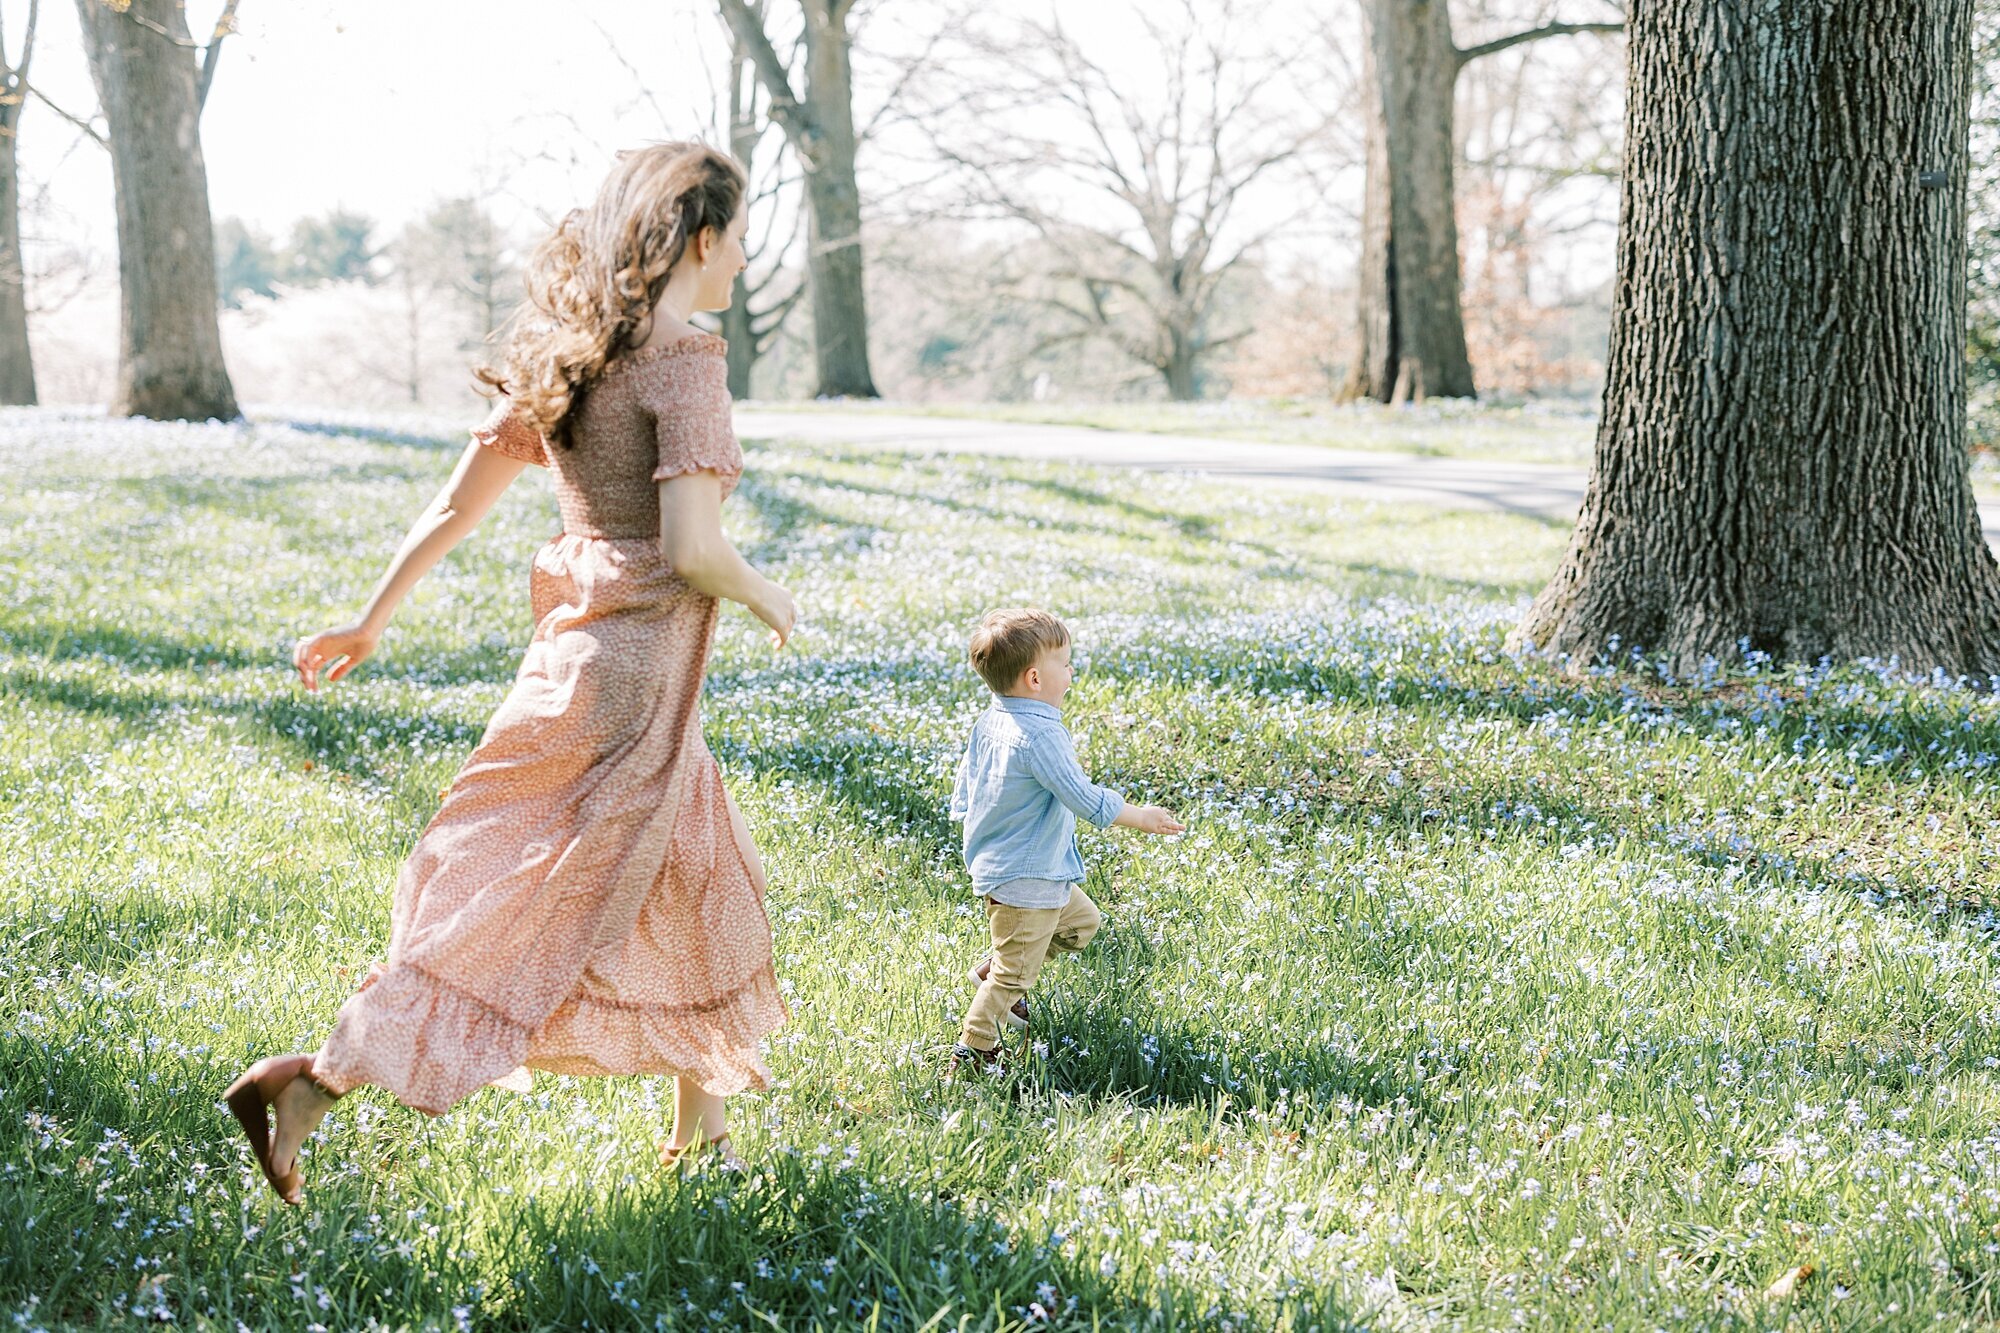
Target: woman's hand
777,609
347,646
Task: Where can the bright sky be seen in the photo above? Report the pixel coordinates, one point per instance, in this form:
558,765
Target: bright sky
386,105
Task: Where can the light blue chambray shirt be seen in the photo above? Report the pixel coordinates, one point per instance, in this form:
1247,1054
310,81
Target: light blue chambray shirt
1019,792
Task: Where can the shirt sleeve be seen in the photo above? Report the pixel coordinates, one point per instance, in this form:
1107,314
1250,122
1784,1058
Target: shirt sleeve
692,412
1052,759
505,433
961,803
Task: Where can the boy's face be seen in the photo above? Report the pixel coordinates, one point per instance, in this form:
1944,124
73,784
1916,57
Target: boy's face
1049,678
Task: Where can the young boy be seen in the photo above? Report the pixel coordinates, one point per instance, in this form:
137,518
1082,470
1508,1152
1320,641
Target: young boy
1019,792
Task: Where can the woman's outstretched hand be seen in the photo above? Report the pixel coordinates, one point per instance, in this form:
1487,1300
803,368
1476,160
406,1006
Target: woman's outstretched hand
777,609
347,647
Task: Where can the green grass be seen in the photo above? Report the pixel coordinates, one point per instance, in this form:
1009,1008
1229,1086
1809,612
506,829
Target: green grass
1477,996
1441,428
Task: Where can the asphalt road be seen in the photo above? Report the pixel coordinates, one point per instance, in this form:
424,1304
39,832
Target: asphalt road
1545,489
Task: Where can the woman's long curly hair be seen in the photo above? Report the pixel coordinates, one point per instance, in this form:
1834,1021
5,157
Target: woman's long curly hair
594,282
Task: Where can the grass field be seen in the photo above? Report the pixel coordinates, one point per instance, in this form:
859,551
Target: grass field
1477,996
1442,428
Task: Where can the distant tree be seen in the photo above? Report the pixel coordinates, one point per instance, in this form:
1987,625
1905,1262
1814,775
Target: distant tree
458,251
151,85
339,247
1411,324
1135,187
246,263
1983,273
1781,458
17,366
766,292
818,121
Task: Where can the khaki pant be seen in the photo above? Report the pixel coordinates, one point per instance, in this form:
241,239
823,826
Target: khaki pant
1022,938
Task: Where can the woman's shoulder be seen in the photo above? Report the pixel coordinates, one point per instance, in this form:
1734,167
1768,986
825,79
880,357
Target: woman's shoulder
692,356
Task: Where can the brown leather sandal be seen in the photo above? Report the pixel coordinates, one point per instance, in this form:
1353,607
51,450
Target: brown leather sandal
250,1098
673,1155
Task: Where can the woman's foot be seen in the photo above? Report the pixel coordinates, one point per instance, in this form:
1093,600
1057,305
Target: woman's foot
695,1150
280,1087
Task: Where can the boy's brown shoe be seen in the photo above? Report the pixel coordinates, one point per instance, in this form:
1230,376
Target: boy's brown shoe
1017,1014
972,1060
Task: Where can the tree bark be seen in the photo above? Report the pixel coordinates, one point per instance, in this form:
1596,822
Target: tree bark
170,349
1412,331
17,365
820,128
17,362
1781,462
839,299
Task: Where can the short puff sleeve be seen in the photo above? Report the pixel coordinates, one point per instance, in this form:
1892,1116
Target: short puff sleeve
505,433
688,394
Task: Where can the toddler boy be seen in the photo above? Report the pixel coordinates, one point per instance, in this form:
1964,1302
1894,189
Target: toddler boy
1019,793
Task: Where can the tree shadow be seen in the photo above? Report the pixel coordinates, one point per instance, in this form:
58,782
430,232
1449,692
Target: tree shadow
801,1243
322,732
789,521
1100,1044
1796,725
62,641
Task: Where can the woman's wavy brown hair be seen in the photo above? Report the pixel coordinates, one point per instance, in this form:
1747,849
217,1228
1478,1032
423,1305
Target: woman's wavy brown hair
597,277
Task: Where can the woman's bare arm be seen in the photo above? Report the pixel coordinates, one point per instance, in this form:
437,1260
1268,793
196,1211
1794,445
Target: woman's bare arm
692,541
476,483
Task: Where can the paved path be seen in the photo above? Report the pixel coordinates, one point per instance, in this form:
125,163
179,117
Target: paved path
1546,489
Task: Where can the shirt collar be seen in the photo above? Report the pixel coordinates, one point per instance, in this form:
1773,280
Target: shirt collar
1010,703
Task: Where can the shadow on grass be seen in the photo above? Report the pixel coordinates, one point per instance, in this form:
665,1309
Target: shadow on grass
1922,740
323,732
790,520
797,1243
63,641
860,778
1103,1044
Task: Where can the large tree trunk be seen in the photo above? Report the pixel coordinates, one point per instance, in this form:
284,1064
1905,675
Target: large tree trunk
1781,460
17,366
839,303
170,351
742,339
1412,332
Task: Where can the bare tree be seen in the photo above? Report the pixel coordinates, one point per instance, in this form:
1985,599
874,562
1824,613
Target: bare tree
1537,187
17,365
818,121
1412,328
152,85
1781,458
766,292
1136,193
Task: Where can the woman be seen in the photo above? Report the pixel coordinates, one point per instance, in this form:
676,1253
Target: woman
587,899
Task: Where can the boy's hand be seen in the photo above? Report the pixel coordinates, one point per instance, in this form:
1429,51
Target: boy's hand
1153,819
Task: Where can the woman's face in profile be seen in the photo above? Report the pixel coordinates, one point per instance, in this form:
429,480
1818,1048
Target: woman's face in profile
725,260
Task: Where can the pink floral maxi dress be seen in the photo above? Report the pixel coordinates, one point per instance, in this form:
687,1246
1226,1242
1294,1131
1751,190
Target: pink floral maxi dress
583,901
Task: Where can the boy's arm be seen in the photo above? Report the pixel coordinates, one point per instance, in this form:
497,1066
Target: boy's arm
1052,760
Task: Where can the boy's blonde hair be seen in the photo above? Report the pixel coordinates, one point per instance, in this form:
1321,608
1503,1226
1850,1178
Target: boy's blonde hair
1007,642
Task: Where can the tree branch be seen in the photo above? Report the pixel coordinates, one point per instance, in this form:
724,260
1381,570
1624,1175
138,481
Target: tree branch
76,121
786,109
224,25
1467,55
